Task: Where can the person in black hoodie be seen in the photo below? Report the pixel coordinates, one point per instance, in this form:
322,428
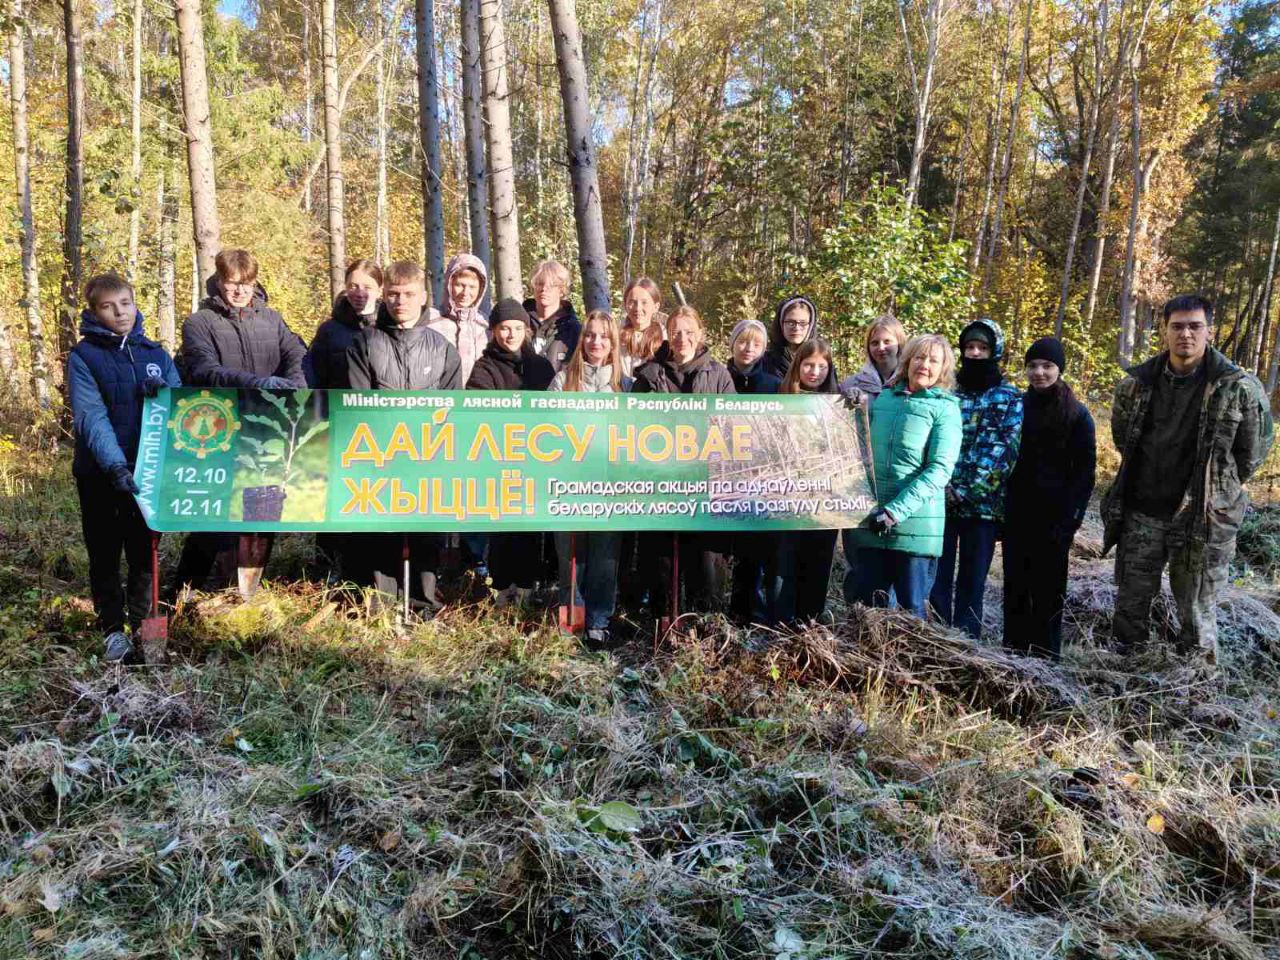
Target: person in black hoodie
795,322
682,365
554,327
807,554
233,340
753,597
400,352
325,366
1045,501
510,363
354,309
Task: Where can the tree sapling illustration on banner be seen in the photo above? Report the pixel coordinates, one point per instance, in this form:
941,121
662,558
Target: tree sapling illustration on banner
284,456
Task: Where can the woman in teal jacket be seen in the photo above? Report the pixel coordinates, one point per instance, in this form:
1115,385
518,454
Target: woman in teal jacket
915,442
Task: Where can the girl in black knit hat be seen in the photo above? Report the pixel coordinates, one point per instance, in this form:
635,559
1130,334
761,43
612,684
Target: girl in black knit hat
1047,495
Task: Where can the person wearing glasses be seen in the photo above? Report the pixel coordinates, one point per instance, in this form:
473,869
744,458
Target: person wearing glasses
794,323
233,340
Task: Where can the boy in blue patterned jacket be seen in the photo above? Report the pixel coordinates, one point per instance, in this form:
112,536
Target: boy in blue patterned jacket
991,413
109,373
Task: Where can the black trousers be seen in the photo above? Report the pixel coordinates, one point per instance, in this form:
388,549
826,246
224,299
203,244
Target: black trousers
700,570
806,573
202,552
515,559
1035,588
754,595
112,523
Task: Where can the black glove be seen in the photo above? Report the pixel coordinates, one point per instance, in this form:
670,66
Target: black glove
275,383
881,523
151,386
122,479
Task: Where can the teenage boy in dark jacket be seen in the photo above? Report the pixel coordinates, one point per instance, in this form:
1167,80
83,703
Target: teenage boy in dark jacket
109,373
234,340
401,352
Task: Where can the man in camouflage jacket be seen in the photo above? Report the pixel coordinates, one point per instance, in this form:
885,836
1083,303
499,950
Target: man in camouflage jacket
1191,428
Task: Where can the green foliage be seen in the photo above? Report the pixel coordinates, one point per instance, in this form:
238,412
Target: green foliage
882,256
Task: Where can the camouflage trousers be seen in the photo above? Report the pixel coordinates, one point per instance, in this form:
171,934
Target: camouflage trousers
1197,572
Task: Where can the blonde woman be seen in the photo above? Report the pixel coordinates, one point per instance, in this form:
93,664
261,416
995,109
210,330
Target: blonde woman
882,344
915,442
646,325
594,368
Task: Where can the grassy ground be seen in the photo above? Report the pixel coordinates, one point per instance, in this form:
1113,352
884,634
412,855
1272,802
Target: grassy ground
303,781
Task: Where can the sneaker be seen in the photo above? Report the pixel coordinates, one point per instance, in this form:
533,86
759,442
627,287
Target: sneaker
118,646
597,639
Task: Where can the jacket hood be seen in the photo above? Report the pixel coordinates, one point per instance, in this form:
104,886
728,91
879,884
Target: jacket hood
700,359
778,343
993,330
91,326
463,261
345,314
1217,366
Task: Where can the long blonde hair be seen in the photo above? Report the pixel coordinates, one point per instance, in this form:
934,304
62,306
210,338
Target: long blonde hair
922,344
884,322
643,344
574,369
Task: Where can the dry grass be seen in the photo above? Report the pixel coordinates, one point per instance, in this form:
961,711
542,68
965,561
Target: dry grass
304,781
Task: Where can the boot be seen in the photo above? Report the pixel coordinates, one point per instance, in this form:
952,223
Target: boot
524,595
430,596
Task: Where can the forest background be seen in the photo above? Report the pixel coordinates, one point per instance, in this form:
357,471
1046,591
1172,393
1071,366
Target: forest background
1056,164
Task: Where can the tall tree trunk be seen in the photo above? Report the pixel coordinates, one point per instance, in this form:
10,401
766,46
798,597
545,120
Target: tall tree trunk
1126,333
502,184
308,95
167,268
922,84
72,263
22,178
473,123
1255,349
583,173
1104,209
639,133
135,128
1090,136
993,148
334,199
1006,165
205,227
429,133
381,229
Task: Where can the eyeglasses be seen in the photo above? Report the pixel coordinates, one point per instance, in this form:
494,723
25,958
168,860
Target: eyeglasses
795,323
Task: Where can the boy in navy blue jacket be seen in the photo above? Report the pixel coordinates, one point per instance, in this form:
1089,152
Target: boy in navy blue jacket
109,373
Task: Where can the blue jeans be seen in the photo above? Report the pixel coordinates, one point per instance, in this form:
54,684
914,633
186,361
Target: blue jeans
597,558
974,542
880,574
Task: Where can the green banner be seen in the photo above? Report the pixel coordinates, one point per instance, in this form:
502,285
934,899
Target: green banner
348,460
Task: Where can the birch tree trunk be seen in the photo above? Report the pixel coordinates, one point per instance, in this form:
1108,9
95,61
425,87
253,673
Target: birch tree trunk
473,123
1125,346
205,227
167,268
135,127
993,149
583,172
1090,135
932,19
1255,348
637,165
429,133
27,228
72,263
334,200
1006,164
502,185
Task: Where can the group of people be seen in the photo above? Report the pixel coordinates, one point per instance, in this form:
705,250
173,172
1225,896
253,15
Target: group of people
962,459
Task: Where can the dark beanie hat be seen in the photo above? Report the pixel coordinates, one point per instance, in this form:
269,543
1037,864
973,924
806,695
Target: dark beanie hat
1048,348
978,331
507,309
